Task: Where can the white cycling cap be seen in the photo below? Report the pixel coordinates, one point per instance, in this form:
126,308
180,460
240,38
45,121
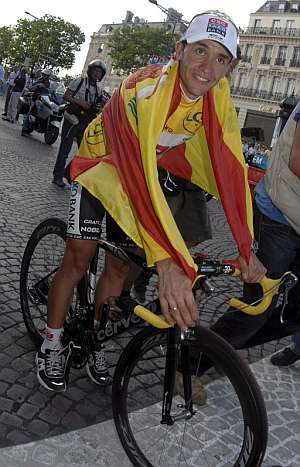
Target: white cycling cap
215,26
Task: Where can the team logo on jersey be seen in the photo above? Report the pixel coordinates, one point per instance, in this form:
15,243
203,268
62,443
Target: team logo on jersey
94,133
217,26
192,122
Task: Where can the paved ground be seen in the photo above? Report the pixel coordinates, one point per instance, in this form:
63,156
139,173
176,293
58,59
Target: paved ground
39,428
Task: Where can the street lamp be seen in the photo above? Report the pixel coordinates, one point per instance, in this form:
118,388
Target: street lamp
43,56
166,11
173,17
162,8
30,14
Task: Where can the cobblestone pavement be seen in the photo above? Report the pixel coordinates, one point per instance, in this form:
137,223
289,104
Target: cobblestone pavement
82,416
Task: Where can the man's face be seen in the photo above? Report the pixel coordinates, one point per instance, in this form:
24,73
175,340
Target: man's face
202,65
95,74
45,77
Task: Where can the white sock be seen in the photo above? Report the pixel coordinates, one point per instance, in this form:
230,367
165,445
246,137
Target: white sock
52,339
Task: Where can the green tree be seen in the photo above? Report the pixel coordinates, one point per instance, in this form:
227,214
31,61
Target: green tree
49,41
6,42
132,47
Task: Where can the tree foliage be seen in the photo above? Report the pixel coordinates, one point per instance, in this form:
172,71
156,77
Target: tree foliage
49,41
6,41
132,47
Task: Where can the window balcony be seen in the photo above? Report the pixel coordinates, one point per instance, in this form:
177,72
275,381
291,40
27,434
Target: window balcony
265,60
287,32
280,61
258,94
295,63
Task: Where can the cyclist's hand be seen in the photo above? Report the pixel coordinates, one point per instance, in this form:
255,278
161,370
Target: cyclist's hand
252,272
175,294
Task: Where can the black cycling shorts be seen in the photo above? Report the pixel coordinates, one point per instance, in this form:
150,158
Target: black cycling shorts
86,214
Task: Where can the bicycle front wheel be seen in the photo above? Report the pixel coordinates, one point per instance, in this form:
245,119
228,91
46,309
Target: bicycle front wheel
230,430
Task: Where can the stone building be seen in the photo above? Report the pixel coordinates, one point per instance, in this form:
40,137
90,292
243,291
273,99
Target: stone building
270,67
99,41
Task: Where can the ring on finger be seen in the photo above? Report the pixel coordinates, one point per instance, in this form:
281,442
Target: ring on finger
173,308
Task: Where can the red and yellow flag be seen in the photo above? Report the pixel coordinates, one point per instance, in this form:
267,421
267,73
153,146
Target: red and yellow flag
119,151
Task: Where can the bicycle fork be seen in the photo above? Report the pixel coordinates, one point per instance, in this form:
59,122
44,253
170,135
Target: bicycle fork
175,340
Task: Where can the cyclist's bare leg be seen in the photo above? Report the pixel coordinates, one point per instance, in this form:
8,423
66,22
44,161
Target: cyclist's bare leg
111,281
76,260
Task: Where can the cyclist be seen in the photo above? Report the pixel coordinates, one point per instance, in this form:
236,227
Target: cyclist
180,118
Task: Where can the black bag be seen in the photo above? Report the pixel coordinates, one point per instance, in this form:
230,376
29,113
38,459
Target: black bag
23,105
75,109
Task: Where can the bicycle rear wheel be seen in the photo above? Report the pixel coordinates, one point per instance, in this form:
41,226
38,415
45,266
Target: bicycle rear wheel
41,259
230,430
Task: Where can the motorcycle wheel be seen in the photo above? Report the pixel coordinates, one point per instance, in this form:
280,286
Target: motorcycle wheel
51,135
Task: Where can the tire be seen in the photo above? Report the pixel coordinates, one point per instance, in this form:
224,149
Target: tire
230,430
51,135
42,256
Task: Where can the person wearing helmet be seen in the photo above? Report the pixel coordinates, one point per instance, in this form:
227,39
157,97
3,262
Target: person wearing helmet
83,95
39,88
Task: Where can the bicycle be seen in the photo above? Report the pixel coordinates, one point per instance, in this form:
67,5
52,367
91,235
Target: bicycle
227,431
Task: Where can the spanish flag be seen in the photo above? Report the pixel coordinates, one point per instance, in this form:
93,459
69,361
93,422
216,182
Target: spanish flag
117,162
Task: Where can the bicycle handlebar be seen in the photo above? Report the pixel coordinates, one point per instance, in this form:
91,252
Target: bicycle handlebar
270,287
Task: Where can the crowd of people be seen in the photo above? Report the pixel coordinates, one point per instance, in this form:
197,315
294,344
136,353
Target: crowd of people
143,162
256,154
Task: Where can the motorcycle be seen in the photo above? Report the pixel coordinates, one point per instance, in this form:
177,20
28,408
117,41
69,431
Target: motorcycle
45,115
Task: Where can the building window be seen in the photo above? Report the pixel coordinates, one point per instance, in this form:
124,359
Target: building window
243,80
290,87
295,62
257,24
290,23
281,57
295,7
275,86
261,87
276,24
100,48
259,83
281,7
266,58
248,52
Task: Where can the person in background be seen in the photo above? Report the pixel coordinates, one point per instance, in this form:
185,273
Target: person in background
277,232
16,91
267,151
1,77
40,87
10,83
82,94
